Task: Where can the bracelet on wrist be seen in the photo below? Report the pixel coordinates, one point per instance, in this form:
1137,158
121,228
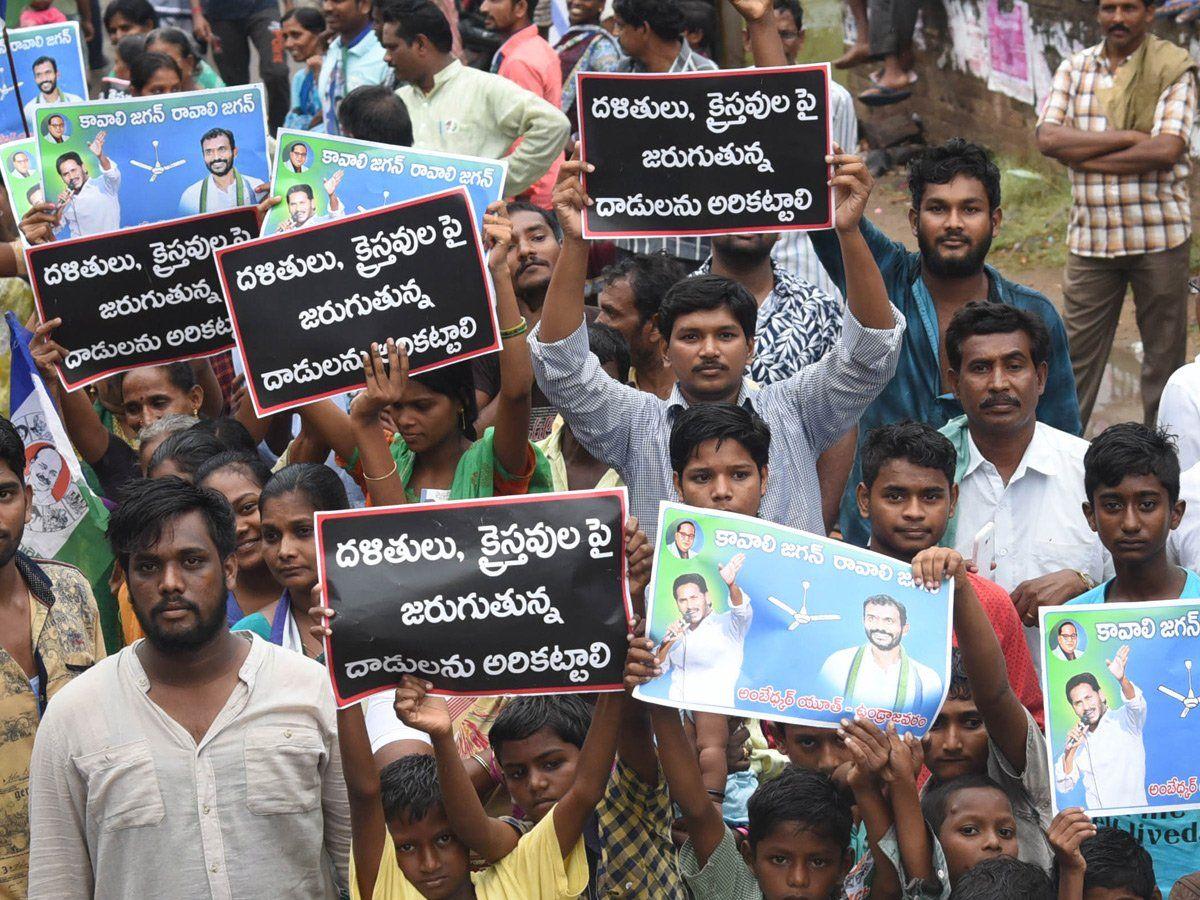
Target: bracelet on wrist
395,469
516,331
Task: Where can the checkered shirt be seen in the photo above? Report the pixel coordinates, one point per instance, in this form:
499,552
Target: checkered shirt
1122,215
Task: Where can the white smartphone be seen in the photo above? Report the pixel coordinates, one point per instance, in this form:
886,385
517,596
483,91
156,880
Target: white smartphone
984,553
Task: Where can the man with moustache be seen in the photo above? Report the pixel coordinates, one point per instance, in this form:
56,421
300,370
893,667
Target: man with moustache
1120,116
532,256
49,633
302,206
56,129
1022,476
45,75
90,205
20,165
224,187
955,213
880,673
215,751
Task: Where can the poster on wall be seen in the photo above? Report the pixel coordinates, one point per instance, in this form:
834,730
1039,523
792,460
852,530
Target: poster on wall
1009,41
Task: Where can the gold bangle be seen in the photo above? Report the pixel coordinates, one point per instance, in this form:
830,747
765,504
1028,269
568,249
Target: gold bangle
395,469
515,331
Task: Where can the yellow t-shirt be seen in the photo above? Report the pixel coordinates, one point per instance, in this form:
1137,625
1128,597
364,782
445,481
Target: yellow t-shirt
535,870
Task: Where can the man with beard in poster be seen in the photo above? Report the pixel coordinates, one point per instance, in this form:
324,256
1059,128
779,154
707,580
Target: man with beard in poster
880,673
217,751
224,187
45,75
955,214
49,633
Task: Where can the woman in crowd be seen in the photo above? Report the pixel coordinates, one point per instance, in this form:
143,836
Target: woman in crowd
289,547
240,478
434,453
154,74
173,42
302,28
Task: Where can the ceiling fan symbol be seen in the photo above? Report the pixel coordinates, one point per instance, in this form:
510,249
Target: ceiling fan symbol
158,168
386,194
1191,701
802,616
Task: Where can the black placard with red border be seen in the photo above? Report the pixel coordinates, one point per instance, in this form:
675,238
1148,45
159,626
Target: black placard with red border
307,302
699,153
508,595
140,297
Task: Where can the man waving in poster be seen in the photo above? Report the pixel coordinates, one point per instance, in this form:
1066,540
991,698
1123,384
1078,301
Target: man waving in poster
702,650
880,673
45,75
224,187
89,205
1106,748
302,204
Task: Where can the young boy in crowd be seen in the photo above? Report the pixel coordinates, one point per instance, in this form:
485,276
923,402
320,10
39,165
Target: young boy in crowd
982,729
1131,478
1004,878
537,742
907,496
1108,864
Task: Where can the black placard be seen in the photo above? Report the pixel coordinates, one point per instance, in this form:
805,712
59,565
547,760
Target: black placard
500,596
305,304
141,297
693,153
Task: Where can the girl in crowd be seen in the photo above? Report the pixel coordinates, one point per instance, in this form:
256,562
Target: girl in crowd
434,453
154,74
302,28
240,477
173,42
289,547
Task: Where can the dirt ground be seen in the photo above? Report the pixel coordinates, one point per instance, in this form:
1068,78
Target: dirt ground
1120,396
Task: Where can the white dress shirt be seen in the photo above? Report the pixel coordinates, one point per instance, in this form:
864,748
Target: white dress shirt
1179,411
219,198
1183,544
705,663
1038,515
878,686
30,109
1112,761
96,209
125,803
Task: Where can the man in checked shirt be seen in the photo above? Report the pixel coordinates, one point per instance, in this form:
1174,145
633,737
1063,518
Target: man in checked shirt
1120,116
708,324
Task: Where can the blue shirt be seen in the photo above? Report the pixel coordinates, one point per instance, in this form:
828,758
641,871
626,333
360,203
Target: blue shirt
916,390
1171,838
348,66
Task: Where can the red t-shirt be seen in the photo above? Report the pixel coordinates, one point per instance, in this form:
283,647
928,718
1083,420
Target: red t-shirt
527,59
1007,624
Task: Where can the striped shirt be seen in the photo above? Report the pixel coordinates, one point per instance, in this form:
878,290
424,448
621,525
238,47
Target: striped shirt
695,249
630,429
1122,215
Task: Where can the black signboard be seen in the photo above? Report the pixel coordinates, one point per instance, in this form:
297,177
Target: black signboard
506,595
693,153
307,302
140,297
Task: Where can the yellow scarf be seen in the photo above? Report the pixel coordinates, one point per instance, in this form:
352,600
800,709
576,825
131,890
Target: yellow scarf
1138,83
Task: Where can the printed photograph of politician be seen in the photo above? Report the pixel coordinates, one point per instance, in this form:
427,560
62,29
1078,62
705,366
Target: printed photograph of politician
49,67
113,164
322,178
22,180
750,618
1120,701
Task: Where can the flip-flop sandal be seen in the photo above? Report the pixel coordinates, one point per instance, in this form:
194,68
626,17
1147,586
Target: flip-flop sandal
884,96
877,76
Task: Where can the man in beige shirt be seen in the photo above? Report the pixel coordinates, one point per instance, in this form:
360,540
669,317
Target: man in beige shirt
195,762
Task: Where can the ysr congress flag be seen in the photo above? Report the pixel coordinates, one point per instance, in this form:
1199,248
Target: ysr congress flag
68,521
